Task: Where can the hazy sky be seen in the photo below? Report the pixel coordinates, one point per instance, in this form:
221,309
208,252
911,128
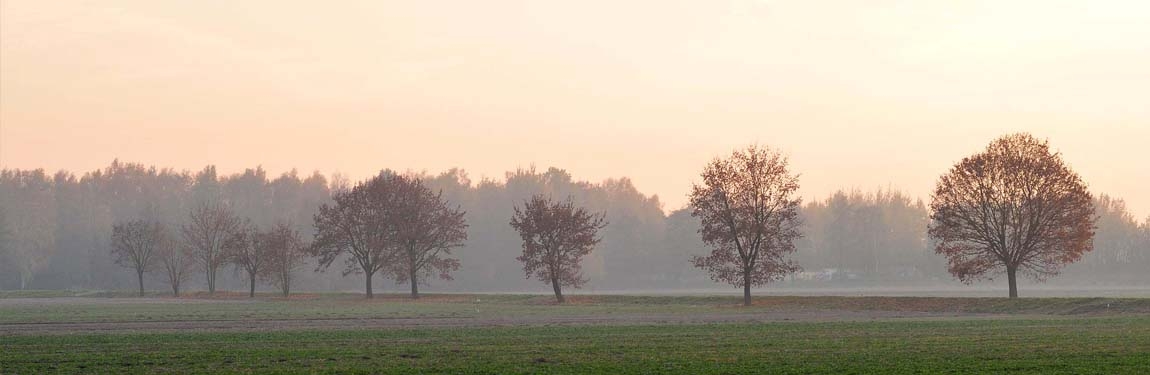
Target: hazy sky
861,94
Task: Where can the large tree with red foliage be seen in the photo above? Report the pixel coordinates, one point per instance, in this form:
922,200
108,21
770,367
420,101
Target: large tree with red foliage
556,236
358,225
749,216
1015,207
426,228
392,224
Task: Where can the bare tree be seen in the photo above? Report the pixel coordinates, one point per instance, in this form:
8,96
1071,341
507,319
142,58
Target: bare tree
207,231
1014,207
135,244
286,253
749,216
358,225
175,261
426,230
244,249
556,236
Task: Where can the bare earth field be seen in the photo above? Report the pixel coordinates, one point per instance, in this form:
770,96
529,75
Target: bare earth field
64,315
340,333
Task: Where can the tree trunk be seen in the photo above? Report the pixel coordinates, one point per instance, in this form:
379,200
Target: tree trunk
558,290
211,281
368,274
414,286
175,290
252,290
746,288
140,278
1012,279
285,284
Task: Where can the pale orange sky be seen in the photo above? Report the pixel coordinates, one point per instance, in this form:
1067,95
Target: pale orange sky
861,94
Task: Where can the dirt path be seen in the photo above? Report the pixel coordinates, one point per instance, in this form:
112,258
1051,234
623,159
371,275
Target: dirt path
383,323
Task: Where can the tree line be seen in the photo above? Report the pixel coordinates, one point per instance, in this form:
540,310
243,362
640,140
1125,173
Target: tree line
66,231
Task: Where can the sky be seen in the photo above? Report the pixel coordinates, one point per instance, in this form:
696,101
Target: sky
859,94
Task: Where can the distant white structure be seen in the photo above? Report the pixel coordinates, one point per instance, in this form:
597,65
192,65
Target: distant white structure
826,274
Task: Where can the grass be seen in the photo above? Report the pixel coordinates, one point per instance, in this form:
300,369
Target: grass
1111,345
1038,336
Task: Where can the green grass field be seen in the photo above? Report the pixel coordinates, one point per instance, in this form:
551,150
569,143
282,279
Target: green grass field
983,335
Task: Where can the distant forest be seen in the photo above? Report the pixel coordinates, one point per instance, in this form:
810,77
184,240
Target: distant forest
55,231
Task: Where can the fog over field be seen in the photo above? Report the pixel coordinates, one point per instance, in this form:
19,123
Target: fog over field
574,187
114,112
58,230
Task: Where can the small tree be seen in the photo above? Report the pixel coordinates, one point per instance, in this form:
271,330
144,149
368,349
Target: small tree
556,237
358,224
749,216
244,249
426,229
286,254
135,244
1014,207
207,231
176,263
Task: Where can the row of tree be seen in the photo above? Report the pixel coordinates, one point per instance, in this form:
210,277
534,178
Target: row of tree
391,224
1015,208
56,231
212,237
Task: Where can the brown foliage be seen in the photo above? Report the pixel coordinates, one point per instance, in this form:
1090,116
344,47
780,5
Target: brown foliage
1014,207
357,224
556,236
426,230
749,216
394,224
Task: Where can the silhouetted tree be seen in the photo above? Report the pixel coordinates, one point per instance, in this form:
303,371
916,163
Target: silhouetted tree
358,224
206,233
135,244
285,252
426,229
1015,206
556,236
246,250
176,263
749,216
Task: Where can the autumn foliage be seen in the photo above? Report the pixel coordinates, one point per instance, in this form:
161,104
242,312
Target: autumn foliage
1015,207
749,217
556,236
426,229
392,224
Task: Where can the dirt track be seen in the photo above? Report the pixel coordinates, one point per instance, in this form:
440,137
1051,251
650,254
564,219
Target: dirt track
351,324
